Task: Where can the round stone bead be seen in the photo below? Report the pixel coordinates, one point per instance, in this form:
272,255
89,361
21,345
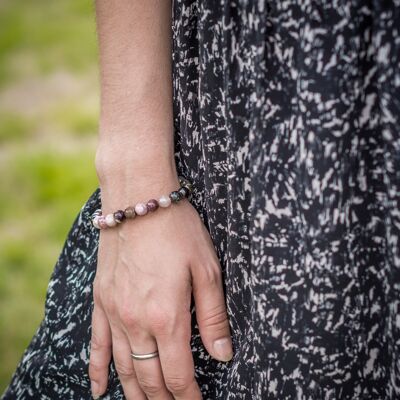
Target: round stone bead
184,191
130,212
152,205
141,209
185,183
102,222
164,201
95,221
189,186
175,196
110,220
119,216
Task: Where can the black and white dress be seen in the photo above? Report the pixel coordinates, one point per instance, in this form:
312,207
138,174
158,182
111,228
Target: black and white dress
286,118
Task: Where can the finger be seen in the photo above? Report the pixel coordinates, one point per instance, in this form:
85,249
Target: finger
124,366
100,352
177,361
211,312
149,373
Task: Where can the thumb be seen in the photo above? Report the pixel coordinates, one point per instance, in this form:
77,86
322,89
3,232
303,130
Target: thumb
211,314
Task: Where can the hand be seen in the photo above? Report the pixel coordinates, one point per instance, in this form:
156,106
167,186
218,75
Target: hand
146,271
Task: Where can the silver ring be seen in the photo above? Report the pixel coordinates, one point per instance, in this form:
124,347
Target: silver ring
144,356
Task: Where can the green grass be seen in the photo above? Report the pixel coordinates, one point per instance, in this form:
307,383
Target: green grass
38,203
75,119
39,36
14,127
46,155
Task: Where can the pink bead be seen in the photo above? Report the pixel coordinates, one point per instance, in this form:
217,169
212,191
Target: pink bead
110,220
102,222
141,209
95,221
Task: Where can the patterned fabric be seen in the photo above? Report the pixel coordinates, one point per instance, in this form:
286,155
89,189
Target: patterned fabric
286,119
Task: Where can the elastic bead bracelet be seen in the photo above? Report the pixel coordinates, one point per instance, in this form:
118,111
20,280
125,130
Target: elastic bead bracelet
113,219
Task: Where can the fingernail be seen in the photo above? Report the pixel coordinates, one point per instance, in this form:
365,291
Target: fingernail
223,348
95,389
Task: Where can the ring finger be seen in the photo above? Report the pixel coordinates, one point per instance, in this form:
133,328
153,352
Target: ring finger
148,371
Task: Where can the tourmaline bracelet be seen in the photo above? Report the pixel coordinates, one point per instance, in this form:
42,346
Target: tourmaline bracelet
111,220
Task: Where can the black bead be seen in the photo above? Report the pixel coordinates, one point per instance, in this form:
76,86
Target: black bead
184,191
175,196
188,186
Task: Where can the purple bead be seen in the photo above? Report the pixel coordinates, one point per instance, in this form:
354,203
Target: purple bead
152,205
119,216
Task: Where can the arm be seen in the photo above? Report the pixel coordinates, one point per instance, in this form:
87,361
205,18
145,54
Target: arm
136,122
148,267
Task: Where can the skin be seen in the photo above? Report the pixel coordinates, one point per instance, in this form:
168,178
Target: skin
147,268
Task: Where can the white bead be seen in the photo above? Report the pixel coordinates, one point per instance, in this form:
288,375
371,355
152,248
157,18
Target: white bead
140,209
95,221
164,201
110,221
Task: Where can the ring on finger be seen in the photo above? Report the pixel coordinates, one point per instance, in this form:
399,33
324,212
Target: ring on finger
147,356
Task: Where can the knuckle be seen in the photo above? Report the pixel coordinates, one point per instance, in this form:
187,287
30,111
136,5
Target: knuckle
158,323
150,385
101,291
96,291
98,363
128,317
97,343
109,306
105,290
127,314
95,369
124,371
177,384
105,282
211,274
158,318
215,318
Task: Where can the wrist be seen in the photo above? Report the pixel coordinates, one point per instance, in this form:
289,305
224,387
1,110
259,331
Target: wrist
140,144
122,167
134,161
122,180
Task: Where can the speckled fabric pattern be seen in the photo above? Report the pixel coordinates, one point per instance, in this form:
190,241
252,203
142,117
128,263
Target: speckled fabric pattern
286,118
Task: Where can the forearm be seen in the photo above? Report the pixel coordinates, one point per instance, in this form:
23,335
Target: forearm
136,120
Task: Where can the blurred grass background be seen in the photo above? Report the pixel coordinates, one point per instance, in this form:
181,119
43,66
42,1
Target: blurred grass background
48,127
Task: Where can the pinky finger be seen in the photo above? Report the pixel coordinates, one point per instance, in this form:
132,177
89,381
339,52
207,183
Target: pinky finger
100,352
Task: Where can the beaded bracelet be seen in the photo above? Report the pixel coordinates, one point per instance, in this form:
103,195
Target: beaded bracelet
110,220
